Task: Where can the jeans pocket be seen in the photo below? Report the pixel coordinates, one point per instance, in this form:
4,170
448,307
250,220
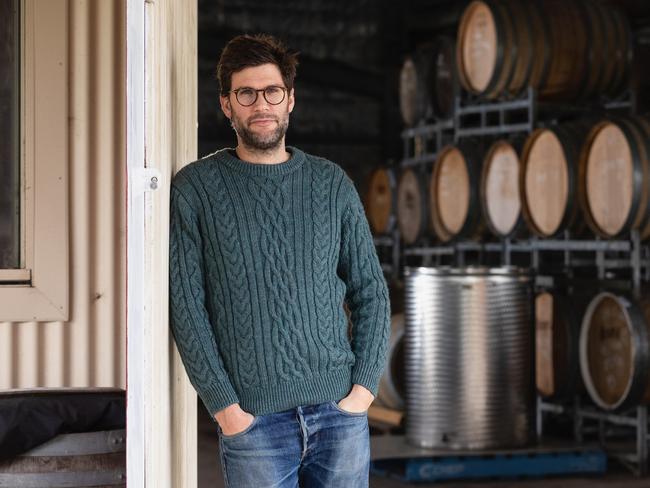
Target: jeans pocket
346,412
243,432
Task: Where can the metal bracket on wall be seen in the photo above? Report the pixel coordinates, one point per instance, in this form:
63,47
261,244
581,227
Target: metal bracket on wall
145,179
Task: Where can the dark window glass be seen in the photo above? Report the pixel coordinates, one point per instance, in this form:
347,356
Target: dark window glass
9,134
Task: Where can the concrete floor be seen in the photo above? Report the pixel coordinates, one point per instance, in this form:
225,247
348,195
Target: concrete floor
209,471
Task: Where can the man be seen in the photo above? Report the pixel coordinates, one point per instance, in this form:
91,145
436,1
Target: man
266,244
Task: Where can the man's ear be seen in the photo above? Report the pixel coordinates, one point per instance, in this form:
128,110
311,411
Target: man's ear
292,100
224,101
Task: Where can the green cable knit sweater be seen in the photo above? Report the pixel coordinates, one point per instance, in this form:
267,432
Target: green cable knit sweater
262,257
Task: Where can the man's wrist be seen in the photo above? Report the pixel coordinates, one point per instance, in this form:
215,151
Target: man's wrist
224,412
362,392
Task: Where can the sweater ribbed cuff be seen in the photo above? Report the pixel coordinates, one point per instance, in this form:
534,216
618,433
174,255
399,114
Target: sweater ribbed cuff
367,375
217,397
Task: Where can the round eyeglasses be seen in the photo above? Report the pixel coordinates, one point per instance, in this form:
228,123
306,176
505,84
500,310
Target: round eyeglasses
248,96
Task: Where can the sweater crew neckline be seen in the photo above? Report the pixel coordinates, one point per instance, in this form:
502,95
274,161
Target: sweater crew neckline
228,157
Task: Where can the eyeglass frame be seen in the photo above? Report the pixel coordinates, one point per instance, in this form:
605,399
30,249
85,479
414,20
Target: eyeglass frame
257,90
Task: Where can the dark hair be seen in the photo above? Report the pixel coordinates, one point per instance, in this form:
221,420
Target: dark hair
246,50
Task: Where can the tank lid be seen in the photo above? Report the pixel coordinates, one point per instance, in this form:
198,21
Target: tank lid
468,271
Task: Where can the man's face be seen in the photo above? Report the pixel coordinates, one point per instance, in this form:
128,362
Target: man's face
260,126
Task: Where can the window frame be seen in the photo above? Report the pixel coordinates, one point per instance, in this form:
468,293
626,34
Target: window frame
43,294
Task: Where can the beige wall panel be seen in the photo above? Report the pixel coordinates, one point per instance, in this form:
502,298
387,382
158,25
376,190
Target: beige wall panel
88,350
6,353
53,356
27,361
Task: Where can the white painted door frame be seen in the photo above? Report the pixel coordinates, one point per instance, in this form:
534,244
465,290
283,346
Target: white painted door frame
161,137
135,160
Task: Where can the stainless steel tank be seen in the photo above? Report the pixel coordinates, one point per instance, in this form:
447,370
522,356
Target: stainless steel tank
469,357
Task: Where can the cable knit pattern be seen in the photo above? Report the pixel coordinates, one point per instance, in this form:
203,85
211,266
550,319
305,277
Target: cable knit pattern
237,286
322,240
271,208
262,257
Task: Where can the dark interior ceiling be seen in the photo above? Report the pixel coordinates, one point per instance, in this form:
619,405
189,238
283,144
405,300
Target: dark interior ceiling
350,54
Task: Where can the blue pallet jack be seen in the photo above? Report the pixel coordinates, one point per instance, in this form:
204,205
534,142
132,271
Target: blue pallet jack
391,456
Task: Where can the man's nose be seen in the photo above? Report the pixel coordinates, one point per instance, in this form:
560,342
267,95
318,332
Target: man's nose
261,102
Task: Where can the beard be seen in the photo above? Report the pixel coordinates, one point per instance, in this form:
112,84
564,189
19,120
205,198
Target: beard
267,141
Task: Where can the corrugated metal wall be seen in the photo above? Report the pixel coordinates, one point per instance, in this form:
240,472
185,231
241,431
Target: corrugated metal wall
89,350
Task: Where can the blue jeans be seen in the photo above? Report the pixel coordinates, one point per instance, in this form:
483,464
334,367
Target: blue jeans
310,446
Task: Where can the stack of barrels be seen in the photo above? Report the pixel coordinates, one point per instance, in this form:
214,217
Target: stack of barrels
587,178
429,83
567,51
599,346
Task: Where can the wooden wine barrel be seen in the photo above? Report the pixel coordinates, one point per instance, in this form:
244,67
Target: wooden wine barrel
615,167
550,182
609,50
381,200
445,82
557,332
454,203
615,351
392,382
562,48
412,215
75,460
500,195
429,82
410,105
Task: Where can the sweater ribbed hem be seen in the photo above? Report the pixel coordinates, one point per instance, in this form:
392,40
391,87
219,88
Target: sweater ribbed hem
331,386
367,375
296,160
